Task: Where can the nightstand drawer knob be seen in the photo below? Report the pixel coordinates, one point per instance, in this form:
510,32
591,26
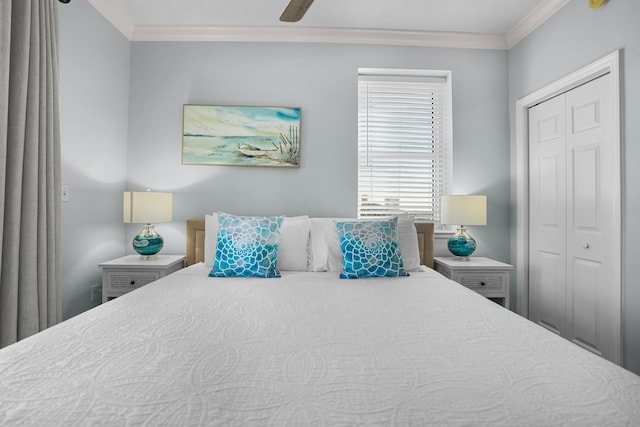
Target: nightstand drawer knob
133,282
585,245
482,284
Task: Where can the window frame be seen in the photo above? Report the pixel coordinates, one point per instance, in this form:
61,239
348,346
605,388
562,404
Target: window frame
442,78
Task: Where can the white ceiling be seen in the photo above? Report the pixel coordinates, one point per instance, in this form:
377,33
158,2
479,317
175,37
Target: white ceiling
493,24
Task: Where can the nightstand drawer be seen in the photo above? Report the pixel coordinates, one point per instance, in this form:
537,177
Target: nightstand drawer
483,282
125,282
485,276
125,274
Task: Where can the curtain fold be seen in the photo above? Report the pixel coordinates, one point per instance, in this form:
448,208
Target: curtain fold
30,173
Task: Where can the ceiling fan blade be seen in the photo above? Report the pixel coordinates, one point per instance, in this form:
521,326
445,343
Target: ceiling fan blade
295,10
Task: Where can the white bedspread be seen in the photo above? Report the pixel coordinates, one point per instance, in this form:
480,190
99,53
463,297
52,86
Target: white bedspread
307,349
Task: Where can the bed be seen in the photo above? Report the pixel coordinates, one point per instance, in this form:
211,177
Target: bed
307,348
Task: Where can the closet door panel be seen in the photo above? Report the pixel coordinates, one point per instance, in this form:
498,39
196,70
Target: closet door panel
547,253
591,220
548,296
585,316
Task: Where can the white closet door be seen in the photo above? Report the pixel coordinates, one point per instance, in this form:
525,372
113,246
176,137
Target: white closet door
547,218
593,293
574,287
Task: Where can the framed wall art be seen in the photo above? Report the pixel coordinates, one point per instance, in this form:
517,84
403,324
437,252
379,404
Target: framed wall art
241,136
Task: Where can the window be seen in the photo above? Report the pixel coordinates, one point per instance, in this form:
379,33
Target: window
404,142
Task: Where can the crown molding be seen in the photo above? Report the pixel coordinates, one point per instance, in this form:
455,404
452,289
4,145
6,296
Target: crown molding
300,34
533,20
319,35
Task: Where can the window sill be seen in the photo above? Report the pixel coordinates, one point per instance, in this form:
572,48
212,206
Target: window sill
443,234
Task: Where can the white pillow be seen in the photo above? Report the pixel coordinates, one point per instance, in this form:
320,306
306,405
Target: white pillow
294,244
325,244
211,226
408,240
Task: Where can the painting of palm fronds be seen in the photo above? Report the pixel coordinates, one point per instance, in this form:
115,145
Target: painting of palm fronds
241,136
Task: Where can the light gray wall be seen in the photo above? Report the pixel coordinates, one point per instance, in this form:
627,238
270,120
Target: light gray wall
322,80
94,98
571,39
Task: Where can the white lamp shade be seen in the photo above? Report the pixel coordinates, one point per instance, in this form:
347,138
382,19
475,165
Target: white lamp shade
464,210
146,207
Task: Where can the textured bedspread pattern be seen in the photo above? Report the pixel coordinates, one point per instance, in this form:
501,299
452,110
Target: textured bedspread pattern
307,349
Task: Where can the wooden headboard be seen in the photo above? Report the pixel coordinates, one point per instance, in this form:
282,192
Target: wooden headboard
425,242
195,241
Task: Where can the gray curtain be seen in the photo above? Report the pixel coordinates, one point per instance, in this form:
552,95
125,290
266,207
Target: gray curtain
29,169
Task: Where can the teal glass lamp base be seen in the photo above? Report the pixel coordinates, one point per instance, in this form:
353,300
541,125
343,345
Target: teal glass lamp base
461,244
148,242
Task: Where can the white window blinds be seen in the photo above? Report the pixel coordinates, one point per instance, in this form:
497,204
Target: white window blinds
404,143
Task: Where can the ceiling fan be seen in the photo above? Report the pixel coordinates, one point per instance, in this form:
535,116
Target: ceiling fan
295,10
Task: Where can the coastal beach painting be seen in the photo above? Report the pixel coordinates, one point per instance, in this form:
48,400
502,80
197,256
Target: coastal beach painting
241,136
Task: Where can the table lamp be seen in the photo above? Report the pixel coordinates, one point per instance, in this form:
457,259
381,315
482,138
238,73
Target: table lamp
463,210
147,207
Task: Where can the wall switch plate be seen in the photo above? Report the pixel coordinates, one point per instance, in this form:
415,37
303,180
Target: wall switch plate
66,193
96,292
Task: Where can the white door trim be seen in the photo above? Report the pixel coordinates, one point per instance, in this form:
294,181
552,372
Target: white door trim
608,64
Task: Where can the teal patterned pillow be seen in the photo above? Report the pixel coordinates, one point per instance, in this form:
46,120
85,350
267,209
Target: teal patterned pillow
247,246
370,249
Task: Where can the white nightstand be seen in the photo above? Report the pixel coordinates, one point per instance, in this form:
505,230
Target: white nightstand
122,275
485,276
